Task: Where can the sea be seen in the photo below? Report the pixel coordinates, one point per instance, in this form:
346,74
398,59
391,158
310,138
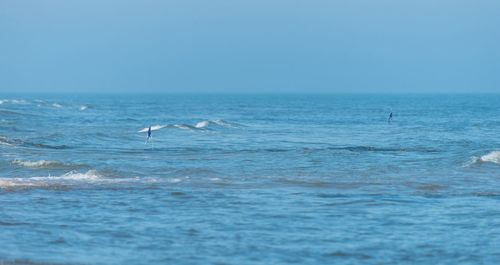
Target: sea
249,179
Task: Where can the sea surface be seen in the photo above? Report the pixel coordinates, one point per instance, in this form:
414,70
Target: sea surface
249,179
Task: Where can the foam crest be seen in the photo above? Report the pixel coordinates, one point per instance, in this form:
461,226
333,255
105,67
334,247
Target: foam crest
179,126
6,140
3,101
492,157
154,128
48,104
185,127
84,107
225,124
202,124
36,164
89,175
217,122
70,178
76,179
199,127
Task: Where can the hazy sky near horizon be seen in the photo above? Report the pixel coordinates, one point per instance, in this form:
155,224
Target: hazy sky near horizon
250,46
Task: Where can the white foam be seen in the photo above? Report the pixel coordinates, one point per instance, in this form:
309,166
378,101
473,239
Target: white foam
202,124
37,164
69,178
6,144
175,180
178,180
5,141
17,101
225,124
197,128
493,157
153,128
89,175
184,127
218,122
3,101
72,178
57,105
82,108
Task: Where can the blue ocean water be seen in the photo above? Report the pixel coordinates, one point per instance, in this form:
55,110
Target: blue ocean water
249,179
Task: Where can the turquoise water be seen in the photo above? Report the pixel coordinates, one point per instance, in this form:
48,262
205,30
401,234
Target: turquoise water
249,179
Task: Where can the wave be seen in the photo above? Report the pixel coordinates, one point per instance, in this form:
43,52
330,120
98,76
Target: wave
37,164
13,101
13,113
47,103
217,122
8,122
46,146
187,127
154,128
60,106
69,178
180,126
199,127
369,148
375,149
82,179
8,141
84,107
202,124
492,157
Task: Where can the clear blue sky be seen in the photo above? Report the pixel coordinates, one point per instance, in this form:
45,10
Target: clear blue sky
250,46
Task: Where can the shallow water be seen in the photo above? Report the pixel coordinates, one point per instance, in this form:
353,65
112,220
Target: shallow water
249,179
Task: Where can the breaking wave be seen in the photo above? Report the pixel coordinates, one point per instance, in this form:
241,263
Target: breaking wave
492,157
186,127
69,178
79,179
179,126
84,107
48,104
199,127
37,164
216,122
154,128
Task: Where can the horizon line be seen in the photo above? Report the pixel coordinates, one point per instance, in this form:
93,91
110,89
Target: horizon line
244,93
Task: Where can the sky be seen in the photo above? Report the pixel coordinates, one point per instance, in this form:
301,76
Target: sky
205,46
